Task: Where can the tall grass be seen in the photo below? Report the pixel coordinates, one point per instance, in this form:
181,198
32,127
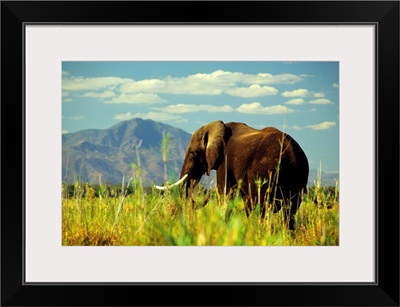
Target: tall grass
165,218
165,147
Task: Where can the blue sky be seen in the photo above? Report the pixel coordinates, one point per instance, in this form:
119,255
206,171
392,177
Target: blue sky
301,98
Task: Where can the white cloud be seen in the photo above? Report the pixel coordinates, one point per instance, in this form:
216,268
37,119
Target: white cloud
335,85
137,98
319,95
126,90
124,116
250,108
214,83
169,85
76,117
295,101
105,94
254,90
191,108
321,101
277,79
64,131
228,77
322,126
257,108
144,86
156,116
85,84
295,128
301,92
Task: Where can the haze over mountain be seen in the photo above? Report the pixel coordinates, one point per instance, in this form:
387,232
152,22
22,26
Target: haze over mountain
107,155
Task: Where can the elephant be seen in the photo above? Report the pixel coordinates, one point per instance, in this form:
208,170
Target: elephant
241,155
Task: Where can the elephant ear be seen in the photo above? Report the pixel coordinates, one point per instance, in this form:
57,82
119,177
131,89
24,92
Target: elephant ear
214,143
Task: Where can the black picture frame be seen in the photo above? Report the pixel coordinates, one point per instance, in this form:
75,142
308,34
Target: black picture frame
383,14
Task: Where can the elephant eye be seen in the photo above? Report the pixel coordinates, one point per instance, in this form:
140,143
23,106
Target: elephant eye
193,154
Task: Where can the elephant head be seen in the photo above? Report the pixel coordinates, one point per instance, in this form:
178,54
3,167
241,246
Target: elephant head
204,152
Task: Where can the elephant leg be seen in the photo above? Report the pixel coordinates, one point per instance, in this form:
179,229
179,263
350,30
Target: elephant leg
251,197
290,208
226,184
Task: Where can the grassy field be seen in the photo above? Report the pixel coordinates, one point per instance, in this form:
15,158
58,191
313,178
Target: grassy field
98,216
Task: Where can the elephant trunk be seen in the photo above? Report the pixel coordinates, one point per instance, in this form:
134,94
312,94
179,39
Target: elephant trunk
191,184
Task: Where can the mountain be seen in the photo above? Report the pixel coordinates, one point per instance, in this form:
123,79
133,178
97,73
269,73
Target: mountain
107,155
327,179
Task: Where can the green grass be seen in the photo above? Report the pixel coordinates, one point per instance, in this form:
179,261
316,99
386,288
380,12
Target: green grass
93,217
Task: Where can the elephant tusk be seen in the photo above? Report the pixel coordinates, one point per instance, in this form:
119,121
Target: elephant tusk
169,186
